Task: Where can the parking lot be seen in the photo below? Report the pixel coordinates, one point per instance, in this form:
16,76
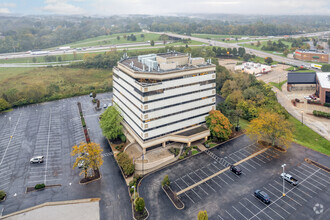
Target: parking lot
229,196
50,130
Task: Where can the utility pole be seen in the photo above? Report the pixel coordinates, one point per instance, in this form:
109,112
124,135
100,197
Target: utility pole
302,117
283,179
142,164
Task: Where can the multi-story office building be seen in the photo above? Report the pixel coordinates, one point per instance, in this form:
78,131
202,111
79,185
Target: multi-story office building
164,97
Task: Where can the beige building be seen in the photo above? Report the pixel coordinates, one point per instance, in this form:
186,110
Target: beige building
311,55
164,97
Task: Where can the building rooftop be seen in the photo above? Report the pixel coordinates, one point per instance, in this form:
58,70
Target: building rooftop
311,51
301,78
324,79
164,62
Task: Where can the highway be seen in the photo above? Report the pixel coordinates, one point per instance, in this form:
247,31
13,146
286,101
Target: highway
248,50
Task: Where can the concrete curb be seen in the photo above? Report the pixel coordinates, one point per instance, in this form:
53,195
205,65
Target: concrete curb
171,199
91,180
52,204
325,168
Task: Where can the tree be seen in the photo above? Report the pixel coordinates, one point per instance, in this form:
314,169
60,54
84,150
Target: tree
88,154
219,125
202,215
94,95
166,181
258,44
235,51
286,52
126,163
152,43
34,60
4,104
118,37
110,123
246,57
271,128
2,195
268,60
142,36
59,59
325,68
139,204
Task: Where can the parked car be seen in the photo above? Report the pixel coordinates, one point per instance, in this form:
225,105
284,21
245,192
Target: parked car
105,106
91,94
37,159
308,98
258,75
264,197
236,170
313,97
289,179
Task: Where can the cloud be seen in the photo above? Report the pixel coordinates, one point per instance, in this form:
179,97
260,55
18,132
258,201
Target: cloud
4,11
8,5
62,7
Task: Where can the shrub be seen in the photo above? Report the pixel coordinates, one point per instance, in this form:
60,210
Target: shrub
135,195
40,186
166,181
139,204
132,183
181,157
321,114
128,169
327,104
122,138
2,194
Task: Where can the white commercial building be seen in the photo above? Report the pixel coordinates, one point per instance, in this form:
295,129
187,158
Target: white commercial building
164,97
253,68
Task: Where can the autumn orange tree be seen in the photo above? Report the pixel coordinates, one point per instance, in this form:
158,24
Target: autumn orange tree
272,128
89,155
219,125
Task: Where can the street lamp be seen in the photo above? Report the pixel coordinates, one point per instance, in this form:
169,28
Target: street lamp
302,117
134,192
283,179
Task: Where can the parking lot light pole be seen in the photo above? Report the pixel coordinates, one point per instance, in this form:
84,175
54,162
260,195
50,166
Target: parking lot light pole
283,180
302,117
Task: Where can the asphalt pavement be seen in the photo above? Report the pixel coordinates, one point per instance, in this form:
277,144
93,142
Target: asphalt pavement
51,129
228,196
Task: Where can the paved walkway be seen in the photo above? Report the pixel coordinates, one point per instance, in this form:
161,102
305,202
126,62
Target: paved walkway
320,126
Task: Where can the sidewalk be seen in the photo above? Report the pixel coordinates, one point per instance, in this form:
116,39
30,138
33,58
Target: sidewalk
321,126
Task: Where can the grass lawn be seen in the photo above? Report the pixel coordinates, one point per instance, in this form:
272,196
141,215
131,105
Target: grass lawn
243,123
278,85
305,136
248,45
70,81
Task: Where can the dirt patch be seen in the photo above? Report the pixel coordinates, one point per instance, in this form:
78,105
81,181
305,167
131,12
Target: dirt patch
173,197
87,180
32,189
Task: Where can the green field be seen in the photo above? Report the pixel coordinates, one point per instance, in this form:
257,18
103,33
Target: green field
30,83
112,40
278,85
304,136
80,55
262,43
221,37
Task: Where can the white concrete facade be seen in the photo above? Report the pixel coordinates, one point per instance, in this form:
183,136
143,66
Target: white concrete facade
158,107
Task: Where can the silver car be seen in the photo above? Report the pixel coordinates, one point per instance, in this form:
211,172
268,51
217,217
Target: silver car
37,159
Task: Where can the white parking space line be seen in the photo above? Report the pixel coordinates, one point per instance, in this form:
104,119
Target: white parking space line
305,177
260,211
192,189
239,212
230,215
205,182
222,179
10,139
218,216
185,193
318,177
279,200
285,195
198,185
247,209
297,188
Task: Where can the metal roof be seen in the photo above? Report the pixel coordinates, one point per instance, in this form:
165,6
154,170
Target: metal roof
324,79
301,78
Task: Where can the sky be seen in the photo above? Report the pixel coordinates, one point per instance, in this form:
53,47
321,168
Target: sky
163,7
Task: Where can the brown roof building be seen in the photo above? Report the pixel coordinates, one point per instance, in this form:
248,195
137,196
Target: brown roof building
311,55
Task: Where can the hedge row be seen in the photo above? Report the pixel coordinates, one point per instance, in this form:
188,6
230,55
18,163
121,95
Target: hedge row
321,114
